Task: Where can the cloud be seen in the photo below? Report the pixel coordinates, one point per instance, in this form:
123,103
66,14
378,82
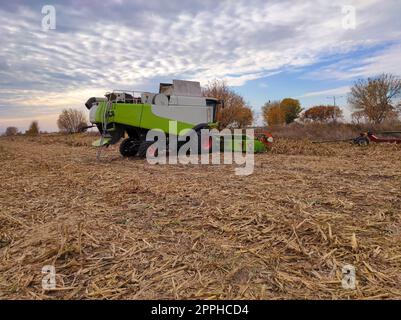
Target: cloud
330,92
387,60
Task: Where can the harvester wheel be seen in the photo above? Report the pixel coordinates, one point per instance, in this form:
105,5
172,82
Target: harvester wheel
147,148
362,141
129,147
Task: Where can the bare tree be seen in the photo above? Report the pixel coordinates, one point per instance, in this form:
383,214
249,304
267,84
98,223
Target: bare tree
71,121
358,117
376,97
244,117
236,113
11,131
393,117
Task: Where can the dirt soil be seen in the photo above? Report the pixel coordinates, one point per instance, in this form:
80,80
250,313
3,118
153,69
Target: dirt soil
125,229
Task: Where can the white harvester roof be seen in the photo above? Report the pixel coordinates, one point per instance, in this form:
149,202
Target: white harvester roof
181,88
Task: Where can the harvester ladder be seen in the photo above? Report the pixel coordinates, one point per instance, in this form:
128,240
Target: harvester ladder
105,118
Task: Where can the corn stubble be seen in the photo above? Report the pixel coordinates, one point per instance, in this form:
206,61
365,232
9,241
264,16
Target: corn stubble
123,229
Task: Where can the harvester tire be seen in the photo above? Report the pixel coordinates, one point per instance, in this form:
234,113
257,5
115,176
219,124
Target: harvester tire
144,149
362,141
129,147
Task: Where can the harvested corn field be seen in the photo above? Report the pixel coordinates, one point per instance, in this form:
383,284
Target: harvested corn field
125,229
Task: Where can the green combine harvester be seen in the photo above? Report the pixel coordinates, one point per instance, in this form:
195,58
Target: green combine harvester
133,114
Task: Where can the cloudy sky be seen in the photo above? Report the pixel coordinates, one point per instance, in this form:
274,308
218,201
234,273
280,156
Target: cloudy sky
265,50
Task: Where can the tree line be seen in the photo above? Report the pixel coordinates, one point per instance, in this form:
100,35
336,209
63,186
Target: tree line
32,131
69,121
373,100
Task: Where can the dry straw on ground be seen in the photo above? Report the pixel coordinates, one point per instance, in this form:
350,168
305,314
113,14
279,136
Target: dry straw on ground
123,229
